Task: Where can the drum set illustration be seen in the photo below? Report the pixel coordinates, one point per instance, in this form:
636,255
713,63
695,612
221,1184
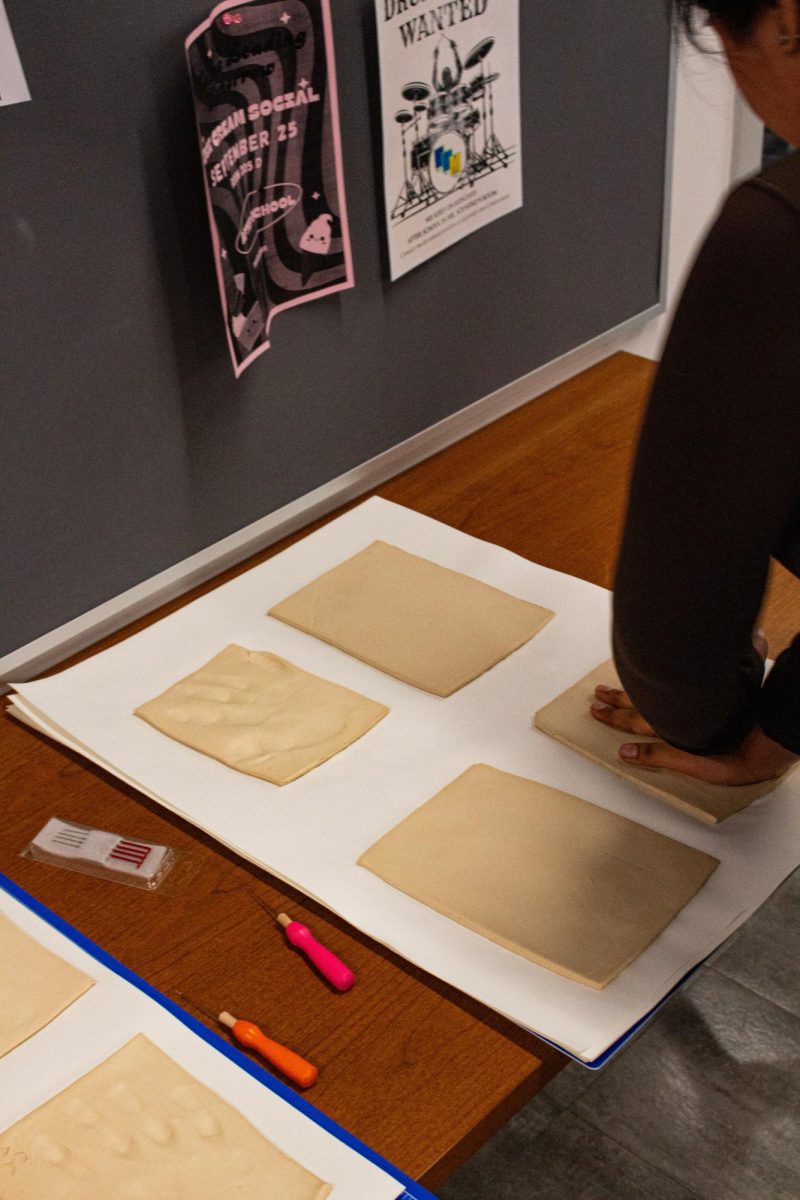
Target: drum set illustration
447,131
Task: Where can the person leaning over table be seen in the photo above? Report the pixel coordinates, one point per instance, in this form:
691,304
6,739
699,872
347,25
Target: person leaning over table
716,480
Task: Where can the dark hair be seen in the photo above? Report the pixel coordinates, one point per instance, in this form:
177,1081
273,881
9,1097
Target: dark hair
738,16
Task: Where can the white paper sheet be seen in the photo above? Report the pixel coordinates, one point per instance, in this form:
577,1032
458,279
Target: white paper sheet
311,832
13,87
114,1011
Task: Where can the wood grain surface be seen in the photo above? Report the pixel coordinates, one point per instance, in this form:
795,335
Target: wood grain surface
411,1066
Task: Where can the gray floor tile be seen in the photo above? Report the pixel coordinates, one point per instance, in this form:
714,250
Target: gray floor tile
568,1160
569,1084
725,946
533,1118
710,1095
765,954
494,1167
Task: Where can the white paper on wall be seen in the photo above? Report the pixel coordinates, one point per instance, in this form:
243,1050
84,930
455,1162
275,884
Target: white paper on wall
13,86
450,109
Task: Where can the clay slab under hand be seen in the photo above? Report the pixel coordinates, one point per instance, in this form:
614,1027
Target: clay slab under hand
35,986
549,876
138,1127
568,720
426,625
261,715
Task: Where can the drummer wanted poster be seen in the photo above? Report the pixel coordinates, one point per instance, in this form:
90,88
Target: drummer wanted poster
264,86
451,121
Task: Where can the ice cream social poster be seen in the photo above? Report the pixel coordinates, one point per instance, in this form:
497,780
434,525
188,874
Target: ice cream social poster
264,85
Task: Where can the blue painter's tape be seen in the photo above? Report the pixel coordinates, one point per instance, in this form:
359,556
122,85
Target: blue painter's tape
622,1041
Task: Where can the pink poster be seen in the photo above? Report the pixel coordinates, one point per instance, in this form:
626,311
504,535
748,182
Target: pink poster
264,85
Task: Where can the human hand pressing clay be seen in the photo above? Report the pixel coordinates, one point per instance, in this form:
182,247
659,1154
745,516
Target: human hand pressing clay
568,720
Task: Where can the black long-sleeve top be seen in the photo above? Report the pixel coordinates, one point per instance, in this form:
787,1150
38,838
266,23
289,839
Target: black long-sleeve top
716,486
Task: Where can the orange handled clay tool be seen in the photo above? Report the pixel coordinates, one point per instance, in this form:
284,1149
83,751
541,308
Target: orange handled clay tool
299,935
290,1064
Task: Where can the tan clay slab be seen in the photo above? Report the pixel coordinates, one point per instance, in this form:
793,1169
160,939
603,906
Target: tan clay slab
261,715
558,880
424,624
35,986
138,1127
567,718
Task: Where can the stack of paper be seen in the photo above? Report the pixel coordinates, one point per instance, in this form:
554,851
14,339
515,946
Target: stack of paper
313,831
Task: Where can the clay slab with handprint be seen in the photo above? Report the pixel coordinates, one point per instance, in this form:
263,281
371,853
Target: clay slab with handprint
261,715
139,1127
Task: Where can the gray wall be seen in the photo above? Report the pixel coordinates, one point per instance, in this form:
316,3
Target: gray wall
126,443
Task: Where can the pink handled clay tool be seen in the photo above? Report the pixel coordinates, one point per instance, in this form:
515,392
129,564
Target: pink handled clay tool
329,966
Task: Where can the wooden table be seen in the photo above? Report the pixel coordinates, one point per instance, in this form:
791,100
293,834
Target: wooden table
414,1068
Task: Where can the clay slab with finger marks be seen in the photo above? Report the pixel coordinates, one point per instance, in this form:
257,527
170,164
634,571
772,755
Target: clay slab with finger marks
568,720
562,882
426,625
261,715
35,986
139,1127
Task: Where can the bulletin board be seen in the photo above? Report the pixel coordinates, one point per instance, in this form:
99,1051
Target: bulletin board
128,446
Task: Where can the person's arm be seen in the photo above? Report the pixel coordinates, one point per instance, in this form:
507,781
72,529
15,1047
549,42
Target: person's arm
715,485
